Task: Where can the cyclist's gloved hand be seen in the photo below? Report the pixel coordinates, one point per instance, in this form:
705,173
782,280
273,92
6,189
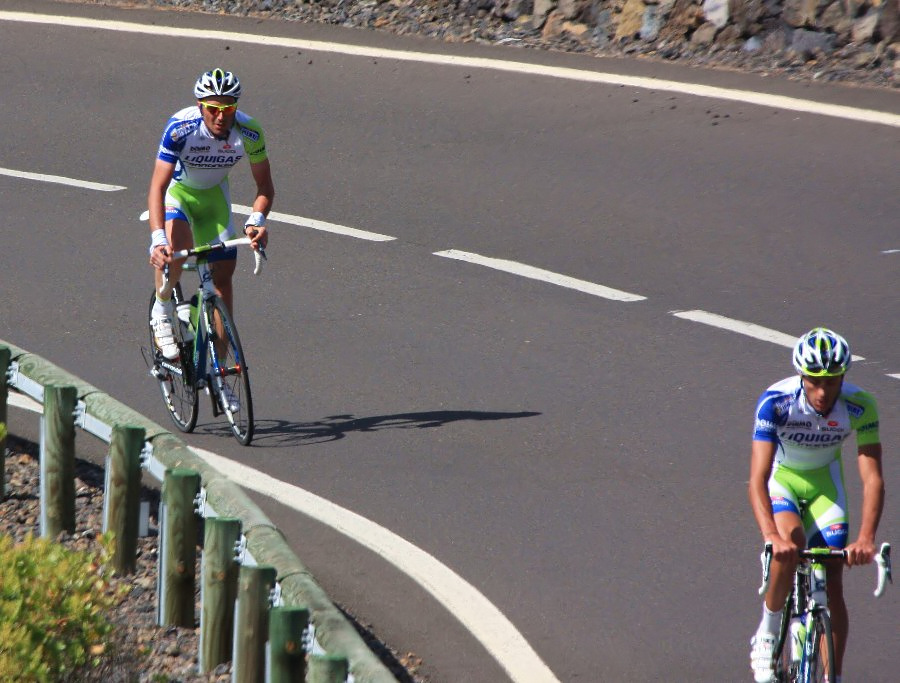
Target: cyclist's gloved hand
782,550
255,229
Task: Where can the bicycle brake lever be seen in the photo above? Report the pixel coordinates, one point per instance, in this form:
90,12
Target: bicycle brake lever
883,560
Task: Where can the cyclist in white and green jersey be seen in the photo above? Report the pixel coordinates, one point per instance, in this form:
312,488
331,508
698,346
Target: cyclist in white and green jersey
801,423
189,201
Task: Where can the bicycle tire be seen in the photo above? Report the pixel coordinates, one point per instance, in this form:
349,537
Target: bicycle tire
821,664
785,671
179,392
230,369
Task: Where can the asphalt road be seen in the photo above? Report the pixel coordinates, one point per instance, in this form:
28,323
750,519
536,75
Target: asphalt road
582,462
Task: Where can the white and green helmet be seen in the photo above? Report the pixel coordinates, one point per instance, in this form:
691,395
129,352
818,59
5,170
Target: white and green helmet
821,353
217,83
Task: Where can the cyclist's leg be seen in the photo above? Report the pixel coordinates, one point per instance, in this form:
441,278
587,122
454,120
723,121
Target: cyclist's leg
829,528
785,500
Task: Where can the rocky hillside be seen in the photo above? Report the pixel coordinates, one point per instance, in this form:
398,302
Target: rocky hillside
831,40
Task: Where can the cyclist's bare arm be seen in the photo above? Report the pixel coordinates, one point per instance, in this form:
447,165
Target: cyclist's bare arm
762,455
159,181
265,195
862,550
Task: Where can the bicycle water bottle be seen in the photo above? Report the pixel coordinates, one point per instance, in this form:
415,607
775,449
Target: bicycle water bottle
183,310
818,586
798,635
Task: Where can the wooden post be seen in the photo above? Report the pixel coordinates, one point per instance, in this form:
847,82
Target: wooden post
5,355
121,503
287,655
58,461
219,580
252,623
178,554
328,669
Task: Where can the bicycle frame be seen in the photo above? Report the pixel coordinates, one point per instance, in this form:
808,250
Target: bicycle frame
808,599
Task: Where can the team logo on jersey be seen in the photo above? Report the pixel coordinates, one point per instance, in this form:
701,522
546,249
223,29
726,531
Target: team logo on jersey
764,425
250,134
200,148
868,427
813,439
855,409
833,423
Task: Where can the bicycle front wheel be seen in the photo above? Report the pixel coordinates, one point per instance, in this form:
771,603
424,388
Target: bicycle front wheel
784,665
176,378
821,662
229,378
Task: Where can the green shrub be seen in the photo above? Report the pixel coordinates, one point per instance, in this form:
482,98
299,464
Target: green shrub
53,607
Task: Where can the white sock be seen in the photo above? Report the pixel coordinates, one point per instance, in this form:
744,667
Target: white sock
770,622
161,308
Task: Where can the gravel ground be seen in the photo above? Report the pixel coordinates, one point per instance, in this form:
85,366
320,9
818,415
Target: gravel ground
458,21
139,651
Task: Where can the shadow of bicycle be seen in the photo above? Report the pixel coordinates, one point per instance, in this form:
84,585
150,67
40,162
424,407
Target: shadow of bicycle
282,433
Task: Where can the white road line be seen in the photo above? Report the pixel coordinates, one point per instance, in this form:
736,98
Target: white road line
461,599
61,180
897,376
748,97
317,225
487,623
891,251
741,327
539,274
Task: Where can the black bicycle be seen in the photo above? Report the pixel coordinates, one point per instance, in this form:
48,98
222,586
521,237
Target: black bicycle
210,356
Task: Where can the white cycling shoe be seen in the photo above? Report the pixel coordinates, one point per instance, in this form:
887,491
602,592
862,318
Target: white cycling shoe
164,336
229,399
761,649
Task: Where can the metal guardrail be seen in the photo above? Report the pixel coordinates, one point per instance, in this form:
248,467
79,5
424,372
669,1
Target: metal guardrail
261,544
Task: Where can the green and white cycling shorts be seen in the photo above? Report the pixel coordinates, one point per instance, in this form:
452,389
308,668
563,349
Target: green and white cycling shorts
207,211
825,518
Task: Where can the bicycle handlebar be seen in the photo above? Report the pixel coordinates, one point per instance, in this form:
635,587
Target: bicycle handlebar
259,255
882,561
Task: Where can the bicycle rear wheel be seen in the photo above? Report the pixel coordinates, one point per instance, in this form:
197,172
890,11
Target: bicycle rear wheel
176,378
229,378
821,664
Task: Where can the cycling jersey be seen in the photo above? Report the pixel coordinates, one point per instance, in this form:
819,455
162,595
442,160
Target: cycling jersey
808,455
806,440
202,160
199,193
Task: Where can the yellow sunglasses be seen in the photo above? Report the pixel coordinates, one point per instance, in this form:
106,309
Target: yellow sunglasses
219,108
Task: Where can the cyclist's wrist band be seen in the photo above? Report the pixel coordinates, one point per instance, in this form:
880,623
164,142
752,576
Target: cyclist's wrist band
257,219
158,238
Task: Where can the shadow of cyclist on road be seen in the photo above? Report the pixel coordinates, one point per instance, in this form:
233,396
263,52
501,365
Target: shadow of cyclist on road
280,433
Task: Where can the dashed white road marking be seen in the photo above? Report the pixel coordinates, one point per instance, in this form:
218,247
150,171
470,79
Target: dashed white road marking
891,251
741,327
539,274
897,376
62,180
317,225
693,89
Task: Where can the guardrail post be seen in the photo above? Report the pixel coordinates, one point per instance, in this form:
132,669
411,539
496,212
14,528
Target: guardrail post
57,483
178,551
251,624
328,669
218,590
121,502
287,654
5,355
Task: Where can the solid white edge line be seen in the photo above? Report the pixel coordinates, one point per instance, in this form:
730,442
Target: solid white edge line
741,327
895,376
487,623
749,97
62,180
533,273
474,611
